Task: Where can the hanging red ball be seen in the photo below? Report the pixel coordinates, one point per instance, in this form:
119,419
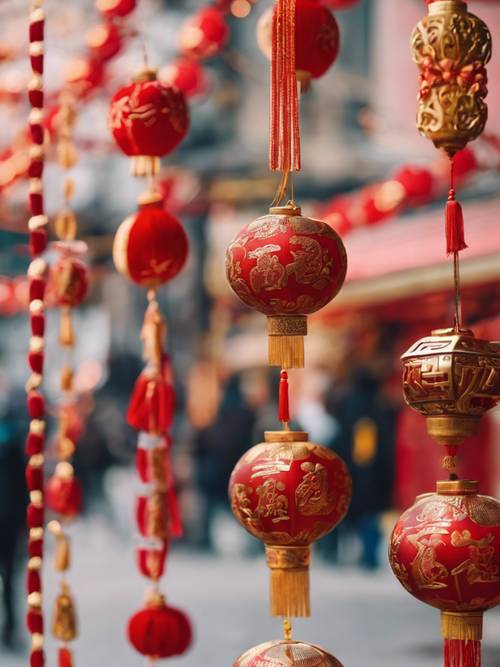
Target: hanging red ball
69,281
186,74
151,246
339,4
159,631
114,8
84,75
204,34
104,41
63,491
148,119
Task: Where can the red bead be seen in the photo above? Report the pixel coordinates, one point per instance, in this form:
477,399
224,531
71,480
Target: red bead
33,582
36,32
34,444
34,478
37,289
69,281
35,548
36,131
37,64
38,324
36,98
38,239
160,631
36,205
209,23
64,495
34,516
35,169
187,75
35,361
36,405
34,622
37,659
65,658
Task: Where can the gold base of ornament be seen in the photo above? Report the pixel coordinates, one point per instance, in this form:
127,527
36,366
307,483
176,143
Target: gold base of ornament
466,625
453,429
457,487
144,165
64,624
289,584
286,340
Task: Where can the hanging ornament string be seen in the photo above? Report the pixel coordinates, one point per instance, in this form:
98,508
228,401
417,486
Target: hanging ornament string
37,281
455,239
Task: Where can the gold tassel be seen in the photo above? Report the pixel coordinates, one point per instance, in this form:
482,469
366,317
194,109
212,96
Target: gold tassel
463,625
64,625
289,585
66,333
286,340
145,165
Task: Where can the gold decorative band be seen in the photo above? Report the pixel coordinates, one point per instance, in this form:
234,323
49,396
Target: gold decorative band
452,429
446,6
462,625
287,325
457,487
286,436
288,558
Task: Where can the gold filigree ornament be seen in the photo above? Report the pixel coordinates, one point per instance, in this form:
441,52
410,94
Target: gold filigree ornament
286,653
451,47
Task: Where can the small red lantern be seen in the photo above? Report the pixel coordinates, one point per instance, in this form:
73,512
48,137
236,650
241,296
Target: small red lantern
150,246
187,75
286,266
317,39
83,75
289,492
148,120
204,34
69,281
445,550
63,491
114,8
159,631
104,41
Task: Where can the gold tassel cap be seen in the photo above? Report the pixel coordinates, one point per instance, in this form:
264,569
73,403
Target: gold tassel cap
463,625
145,165
289,584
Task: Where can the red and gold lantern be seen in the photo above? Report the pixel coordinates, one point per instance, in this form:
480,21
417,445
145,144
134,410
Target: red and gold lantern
159,631
288,493
104,41
63,491
69,281
284,653
204,34
186,74
150,246
148,120
445,550
286,266
115,8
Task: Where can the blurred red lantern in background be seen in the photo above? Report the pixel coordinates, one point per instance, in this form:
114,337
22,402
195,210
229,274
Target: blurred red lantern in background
83,75
104,41
113,8
186,74
204,34
339,4
69,281
63,491
148,119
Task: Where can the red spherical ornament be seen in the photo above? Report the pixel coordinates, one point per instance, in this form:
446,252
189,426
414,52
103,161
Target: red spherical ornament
148,120
187,75
339,4
151,246
63,491
159,631
445,550
83,75
204,34
113,8
104,41
69,281
317,38
289,492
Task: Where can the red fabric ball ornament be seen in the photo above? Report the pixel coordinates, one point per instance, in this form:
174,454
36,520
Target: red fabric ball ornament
34,516
148,120
104,41
445,551
204,34
34,478
37,289
339,4
69,281
84,75
150,246
187,75
36,405
63,492
113,8
34,444
35,548
33,582
159,631
35,361
37,658
34,622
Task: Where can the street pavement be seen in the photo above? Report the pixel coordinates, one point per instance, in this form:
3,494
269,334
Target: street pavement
364,619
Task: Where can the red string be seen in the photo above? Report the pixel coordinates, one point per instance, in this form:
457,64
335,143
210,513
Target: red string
283,402
284,144
455,233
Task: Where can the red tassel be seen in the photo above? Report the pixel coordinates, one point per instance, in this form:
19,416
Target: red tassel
65,657
152,404
284,145
455,240
462,653
283,406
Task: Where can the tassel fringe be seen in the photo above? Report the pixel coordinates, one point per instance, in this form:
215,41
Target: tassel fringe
455,235
283,403
462,653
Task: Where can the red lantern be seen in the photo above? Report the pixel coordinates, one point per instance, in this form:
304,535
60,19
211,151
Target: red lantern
150,247
83,75
148,119
317,39
339,4
63,491
445,550
289,492
204,34
104,41
113,8
69,281
159,631
286,266
187,75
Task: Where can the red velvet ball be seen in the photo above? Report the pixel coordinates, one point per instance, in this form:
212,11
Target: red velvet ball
418,183
36,405
38,237
104,41
160,631
445,550
69,281
64,495
286,264
35,548
317,38
37,289
35,361
148,118
83,75
339,4
204,34
37,658
112,8
187,75
34,622
34,478
151,246
34,444
37,324
34,516
33,582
